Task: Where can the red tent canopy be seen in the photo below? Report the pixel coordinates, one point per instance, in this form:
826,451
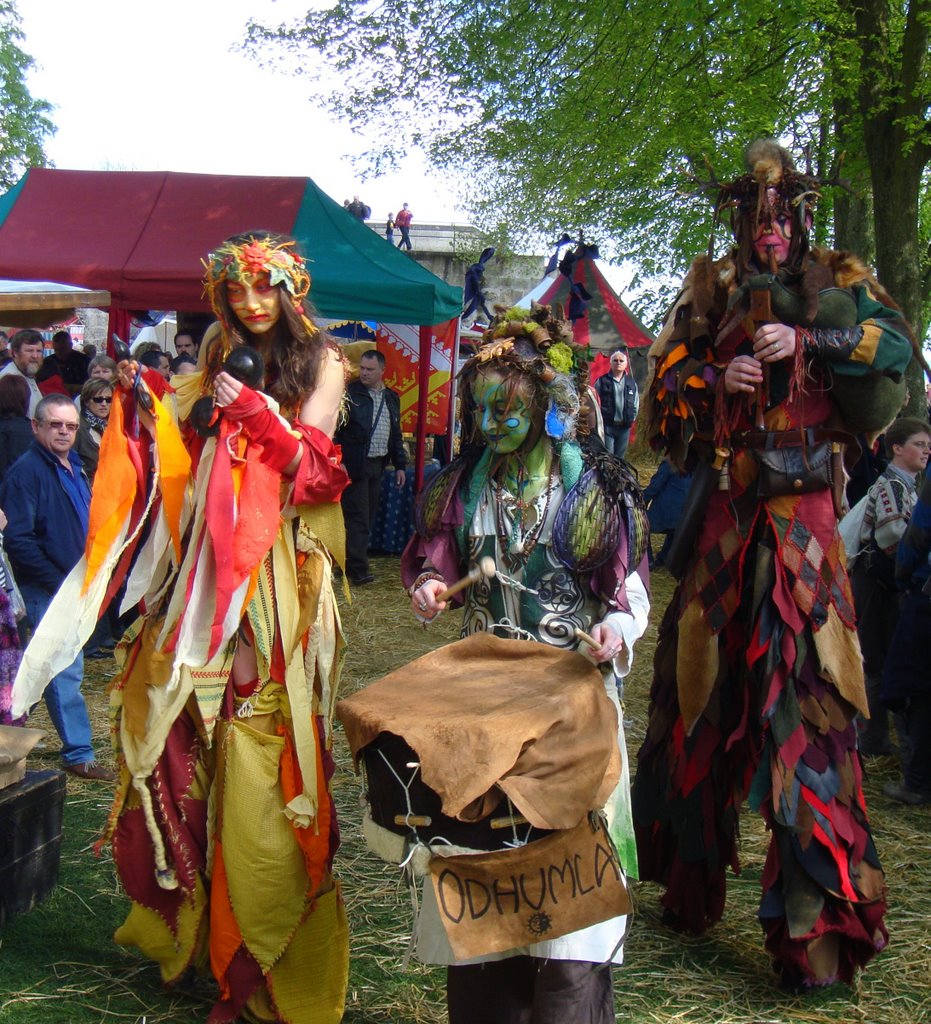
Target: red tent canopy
141,236
607,320
57,229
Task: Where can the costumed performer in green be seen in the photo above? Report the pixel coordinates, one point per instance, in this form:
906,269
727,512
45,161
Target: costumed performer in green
223,827
564,522
772,356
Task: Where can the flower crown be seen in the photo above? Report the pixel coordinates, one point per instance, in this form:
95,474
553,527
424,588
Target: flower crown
272,255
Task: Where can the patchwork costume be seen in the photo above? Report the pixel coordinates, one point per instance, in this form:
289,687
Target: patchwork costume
757,671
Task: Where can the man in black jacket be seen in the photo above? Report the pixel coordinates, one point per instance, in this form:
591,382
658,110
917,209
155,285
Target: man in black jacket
620,402
370,439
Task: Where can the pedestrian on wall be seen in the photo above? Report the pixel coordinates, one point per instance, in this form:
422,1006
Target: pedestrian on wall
403,222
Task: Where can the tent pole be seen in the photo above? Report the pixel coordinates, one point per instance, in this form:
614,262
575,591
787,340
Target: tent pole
453,392
117,324
423,404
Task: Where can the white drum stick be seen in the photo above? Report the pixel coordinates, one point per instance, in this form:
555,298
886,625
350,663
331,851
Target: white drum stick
485,567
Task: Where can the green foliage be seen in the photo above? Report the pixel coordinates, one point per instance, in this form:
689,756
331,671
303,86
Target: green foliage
589,116
24,121
469,244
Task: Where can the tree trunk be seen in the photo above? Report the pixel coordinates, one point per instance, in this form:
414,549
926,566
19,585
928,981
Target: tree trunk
853,210
891,100
896,184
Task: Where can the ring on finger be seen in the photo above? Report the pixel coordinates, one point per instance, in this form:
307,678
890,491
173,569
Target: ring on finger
423,606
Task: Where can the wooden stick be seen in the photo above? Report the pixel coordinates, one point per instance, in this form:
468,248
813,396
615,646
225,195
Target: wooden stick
413,819
485,567
511,819
587,638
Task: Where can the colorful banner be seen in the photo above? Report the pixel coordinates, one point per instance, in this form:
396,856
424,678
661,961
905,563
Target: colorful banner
400,345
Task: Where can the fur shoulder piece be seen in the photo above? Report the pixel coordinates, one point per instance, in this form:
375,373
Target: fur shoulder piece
704,291
712,283
847,269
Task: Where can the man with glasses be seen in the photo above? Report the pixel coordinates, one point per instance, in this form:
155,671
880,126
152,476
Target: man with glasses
47,498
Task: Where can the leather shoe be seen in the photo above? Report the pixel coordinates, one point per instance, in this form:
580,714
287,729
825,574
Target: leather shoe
900,792
90,771
360,581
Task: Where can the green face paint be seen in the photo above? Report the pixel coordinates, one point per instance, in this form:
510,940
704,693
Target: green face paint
504,417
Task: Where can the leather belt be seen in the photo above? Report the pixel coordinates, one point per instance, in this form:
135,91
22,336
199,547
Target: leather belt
789,438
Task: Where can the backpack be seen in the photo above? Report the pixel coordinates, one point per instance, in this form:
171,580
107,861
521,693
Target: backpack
879,566
850,528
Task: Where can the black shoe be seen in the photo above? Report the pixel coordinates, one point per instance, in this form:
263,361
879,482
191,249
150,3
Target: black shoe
360,581
900,792
100,654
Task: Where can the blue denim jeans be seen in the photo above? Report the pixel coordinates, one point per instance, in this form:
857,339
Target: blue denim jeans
63,696
616,440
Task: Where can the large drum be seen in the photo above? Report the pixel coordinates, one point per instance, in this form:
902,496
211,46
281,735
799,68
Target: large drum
484,744
399,800
505,746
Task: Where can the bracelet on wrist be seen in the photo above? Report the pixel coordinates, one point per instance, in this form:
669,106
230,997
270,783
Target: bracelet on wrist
422,579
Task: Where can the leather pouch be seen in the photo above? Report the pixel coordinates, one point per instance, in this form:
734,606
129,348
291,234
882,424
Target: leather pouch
794,470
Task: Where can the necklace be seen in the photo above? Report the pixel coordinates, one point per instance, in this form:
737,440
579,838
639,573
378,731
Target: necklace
527,516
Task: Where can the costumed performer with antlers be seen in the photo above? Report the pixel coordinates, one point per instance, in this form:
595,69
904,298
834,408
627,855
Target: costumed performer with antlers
770,355
565,524
223,826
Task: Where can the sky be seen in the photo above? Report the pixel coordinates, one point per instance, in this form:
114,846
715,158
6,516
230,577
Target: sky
159,86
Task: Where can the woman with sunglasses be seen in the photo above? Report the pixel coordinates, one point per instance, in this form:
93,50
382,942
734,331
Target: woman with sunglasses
96,399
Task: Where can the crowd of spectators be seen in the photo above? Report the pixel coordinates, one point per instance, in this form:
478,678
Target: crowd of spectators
54,410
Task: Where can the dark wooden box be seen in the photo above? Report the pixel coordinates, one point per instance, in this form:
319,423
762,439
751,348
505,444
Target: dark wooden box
30,840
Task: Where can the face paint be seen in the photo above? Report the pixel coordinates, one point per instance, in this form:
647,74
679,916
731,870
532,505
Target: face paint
504,416
775,234
255,301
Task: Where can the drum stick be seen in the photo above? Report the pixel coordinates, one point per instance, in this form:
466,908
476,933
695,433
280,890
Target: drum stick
513,819
413,820
485,567
587,638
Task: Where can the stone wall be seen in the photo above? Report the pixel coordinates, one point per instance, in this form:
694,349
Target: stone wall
440,248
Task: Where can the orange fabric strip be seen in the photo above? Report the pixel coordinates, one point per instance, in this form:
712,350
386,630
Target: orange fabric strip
225,937
110,505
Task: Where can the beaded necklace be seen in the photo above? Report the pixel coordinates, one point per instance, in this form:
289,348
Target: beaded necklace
527,517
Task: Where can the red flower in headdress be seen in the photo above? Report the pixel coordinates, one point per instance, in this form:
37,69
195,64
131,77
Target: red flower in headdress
254,257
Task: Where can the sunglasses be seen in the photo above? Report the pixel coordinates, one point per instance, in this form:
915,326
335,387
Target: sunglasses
72,428
106,401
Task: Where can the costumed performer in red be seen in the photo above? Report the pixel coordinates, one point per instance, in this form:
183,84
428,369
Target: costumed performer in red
223,827
565,524
768,356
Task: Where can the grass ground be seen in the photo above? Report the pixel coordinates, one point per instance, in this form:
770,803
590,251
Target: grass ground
58,964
